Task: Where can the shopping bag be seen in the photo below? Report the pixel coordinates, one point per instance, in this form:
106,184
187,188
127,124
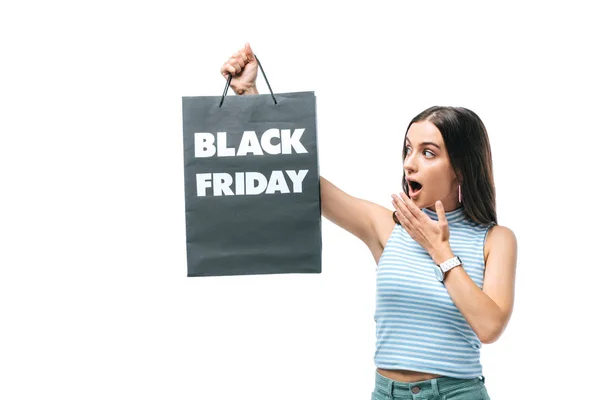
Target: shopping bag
251,177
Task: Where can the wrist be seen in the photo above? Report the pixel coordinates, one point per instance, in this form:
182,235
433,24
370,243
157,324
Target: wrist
441,254
251,90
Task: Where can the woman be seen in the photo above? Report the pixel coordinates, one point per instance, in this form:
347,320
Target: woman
446,269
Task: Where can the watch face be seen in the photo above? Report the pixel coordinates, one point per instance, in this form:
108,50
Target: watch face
438,273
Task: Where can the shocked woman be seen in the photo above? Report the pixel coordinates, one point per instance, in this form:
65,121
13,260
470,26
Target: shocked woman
445,268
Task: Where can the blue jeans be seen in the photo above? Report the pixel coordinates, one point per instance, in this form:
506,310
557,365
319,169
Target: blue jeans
443,388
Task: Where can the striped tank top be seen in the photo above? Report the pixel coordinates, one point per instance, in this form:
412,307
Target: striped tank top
419,328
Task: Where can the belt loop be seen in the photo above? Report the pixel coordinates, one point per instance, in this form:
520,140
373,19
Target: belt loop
482,379
434,386
390,388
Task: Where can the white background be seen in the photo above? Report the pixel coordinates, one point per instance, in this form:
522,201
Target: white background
94,298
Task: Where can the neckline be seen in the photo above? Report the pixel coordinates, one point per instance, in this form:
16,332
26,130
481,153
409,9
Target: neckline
451,216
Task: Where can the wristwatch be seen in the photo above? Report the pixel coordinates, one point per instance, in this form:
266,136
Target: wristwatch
440,270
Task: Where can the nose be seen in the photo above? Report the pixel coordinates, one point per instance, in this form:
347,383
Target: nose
409,163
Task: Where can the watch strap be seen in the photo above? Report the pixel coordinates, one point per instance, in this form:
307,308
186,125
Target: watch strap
449,264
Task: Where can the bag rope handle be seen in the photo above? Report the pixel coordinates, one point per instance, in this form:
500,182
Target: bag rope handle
231,76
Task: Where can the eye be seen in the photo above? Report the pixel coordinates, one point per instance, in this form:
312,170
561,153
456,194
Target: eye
408,149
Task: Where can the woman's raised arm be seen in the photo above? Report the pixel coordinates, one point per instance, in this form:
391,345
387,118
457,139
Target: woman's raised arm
370,222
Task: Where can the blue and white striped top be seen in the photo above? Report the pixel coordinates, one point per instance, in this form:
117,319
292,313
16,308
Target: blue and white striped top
419,328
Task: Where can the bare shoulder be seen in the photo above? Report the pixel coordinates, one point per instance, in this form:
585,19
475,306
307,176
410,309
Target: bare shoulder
500,238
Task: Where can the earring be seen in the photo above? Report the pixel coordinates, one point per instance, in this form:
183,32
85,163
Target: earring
459,195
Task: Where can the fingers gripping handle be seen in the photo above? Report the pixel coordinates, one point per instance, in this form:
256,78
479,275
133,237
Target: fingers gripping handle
231,76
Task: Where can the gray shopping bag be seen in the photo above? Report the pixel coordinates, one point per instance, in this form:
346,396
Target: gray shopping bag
251,174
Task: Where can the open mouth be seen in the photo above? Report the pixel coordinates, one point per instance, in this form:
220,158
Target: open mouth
414,188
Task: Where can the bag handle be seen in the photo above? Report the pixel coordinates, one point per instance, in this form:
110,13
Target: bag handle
231,76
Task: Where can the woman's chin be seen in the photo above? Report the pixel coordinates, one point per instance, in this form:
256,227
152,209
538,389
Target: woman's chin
419,202
416,199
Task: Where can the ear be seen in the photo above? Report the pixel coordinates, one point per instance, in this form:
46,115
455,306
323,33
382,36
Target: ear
459,176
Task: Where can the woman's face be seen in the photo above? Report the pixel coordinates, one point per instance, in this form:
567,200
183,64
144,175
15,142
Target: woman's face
427,162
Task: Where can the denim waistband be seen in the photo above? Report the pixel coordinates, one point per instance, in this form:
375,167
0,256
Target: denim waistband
433,387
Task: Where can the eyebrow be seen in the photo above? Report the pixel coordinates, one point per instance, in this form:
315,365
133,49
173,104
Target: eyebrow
424,143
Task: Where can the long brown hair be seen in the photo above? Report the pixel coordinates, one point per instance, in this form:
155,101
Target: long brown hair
468,147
